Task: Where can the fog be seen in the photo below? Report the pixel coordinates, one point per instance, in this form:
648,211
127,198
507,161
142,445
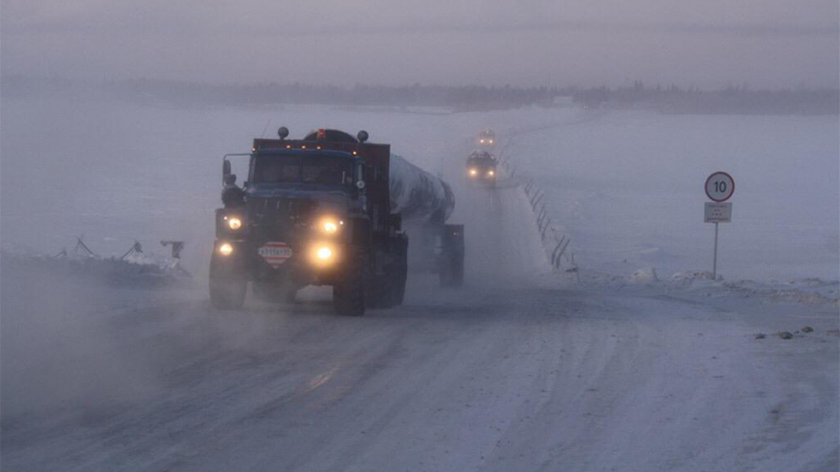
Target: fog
114,117
711,44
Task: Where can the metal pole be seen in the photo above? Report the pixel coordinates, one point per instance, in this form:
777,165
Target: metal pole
714,264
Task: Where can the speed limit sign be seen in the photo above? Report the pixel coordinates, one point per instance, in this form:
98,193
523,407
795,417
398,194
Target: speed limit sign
720,186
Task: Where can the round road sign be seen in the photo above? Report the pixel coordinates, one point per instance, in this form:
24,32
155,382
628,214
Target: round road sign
720,186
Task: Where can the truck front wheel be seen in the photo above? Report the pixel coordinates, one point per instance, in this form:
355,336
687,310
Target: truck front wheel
349,296
350,292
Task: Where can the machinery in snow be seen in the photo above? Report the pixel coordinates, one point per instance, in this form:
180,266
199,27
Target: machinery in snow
328,210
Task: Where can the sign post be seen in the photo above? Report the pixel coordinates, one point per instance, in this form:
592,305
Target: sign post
719,188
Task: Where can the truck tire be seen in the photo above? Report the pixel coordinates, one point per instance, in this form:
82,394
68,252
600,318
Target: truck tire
349,297
228,293
382,292
349,294
398,291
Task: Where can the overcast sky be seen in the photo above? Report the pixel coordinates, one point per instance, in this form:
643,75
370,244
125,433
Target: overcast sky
708,43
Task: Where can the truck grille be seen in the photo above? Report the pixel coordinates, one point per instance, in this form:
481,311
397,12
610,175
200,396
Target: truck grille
277,218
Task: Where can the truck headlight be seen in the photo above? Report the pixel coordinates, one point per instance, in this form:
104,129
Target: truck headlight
473,171
225,249
329,225
490,173
324,253
234,223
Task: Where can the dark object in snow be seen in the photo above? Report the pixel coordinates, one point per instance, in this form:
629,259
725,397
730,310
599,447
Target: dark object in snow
138,272
785,335
760,336
807,329
177,247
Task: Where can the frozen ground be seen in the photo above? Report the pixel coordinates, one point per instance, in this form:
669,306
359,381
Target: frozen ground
521,370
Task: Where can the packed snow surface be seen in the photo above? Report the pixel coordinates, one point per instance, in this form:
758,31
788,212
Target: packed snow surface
638,361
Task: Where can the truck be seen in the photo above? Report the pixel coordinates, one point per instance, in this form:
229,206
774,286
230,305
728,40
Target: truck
481,168
486,138
327,210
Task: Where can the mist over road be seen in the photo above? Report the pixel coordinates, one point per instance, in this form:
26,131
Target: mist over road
501,376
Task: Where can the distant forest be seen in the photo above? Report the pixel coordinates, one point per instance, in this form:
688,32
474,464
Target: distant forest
670,99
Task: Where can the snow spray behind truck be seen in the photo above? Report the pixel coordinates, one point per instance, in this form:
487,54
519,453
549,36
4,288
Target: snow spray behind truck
328,210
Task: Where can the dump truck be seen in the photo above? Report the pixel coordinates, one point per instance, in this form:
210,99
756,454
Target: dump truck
327,210
481,168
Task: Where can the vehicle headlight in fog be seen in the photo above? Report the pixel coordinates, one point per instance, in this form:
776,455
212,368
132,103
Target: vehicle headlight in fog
225,249
482,141
491,141
329,225
234,223
473,171
491,173
324,253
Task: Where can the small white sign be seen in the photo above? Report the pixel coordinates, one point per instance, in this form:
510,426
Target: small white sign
720,186
718,212
275,253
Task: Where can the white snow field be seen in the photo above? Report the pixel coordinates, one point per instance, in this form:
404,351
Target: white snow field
643,365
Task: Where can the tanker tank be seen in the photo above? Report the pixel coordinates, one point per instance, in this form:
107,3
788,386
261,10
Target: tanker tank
417,194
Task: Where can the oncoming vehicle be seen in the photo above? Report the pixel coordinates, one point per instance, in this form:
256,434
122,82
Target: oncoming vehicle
316,211
487,138
481,168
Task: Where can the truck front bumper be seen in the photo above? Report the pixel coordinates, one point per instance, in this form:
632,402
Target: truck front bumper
313,263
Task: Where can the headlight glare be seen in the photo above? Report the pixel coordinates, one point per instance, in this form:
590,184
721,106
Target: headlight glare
225,249
324,253
234,223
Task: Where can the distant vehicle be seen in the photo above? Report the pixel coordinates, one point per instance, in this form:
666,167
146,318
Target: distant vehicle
481,168
324,210
487,138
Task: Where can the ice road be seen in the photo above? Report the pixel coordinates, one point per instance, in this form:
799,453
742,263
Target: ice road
510,373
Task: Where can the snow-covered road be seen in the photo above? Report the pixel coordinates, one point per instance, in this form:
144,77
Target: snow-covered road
533,375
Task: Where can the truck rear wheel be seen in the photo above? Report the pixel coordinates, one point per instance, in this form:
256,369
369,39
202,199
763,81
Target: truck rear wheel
398,294
452,273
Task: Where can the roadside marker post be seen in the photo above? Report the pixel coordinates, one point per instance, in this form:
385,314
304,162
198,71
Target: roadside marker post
719,188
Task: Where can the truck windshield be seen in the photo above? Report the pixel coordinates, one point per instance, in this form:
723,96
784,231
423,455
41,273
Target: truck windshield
313,169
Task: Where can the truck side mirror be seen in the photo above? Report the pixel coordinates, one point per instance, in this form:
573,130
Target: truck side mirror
225,168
